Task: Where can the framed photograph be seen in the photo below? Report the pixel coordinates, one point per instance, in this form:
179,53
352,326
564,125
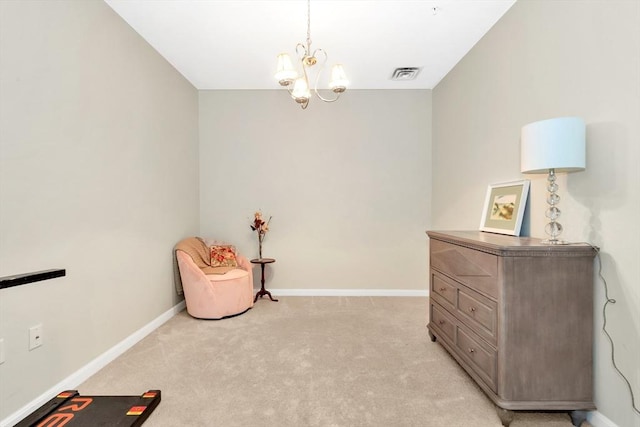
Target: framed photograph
504,207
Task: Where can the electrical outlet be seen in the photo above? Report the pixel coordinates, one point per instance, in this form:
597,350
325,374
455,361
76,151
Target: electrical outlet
35,336
1,351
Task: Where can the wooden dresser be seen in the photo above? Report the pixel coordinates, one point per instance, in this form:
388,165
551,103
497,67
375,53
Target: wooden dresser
517,315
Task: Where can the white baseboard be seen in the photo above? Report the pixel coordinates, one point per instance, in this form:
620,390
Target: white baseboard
596,419
349,292
82,374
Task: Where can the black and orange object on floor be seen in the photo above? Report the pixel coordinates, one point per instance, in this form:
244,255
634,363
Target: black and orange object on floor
70,409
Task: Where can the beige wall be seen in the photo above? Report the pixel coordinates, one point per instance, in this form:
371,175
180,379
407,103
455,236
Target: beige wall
98,175
347,184
547,59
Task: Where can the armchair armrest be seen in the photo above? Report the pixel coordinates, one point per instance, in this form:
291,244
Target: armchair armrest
245,264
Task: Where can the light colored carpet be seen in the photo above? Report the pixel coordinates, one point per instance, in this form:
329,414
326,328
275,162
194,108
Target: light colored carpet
305,361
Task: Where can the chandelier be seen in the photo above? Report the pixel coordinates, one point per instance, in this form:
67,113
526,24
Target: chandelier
298,86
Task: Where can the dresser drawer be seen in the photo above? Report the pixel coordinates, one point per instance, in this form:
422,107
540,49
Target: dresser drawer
479,313
476,269
481,356
445,288
443,322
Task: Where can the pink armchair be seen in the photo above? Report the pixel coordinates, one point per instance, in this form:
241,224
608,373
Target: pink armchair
212,296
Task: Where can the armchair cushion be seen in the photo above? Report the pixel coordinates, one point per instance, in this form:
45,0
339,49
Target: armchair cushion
223,256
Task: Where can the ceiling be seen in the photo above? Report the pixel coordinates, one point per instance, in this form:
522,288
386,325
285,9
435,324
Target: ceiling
233,44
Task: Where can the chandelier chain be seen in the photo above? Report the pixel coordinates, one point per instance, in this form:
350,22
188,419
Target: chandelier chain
309,25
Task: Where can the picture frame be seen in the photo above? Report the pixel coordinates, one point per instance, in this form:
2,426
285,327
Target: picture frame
504,207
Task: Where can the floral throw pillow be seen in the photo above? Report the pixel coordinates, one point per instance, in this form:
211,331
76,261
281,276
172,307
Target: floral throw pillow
223,256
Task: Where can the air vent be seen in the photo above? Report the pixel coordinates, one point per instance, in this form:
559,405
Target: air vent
406,73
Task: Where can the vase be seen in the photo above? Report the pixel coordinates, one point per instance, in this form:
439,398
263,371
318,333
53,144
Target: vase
260,237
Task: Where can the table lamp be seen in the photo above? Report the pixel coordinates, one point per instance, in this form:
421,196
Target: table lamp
550,146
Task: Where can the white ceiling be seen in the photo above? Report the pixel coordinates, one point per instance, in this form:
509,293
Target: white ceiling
233,44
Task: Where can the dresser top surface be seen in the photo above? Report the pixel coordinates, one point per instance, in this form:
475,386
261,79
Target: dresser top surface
504,244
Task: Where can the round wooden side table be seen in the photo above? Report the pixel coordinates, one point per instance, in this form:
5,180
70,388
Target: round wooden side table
263,291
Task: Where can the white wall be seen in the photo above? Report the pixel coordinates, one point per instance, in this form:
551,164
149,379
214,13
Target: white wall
347,184
544,60
98,175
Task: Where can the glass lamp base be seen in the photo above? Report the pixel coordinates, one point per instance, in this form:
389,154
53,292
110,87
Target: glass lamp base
553,229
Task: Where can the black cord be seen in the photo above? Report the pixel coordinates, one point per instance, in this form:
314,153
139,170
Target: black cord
604,327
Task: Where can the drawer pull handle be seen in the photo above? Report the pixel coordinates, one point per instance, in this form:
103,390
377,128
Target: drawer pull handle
441,322
472,350
442,289
472,309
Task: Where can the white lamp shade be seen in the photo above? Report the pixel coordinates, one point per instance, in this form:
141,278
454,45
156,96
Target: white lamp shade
300,92
338,78
553,144
285,72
